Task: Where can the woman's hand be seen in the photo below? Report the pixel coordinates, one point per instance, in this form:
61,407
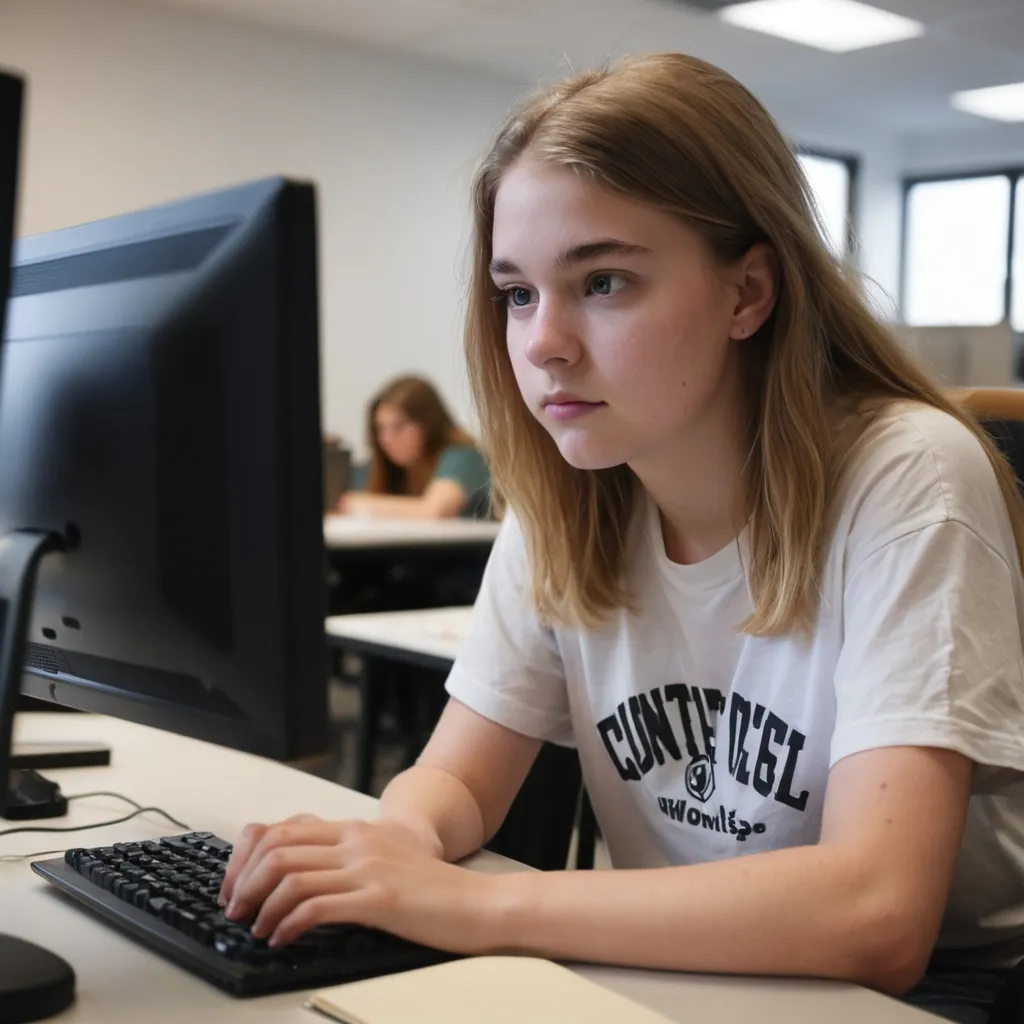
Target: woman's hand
383,874
351,503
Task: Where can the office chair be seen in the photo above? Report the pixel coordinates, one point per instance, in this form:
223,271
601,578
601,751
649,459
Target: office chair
1001,412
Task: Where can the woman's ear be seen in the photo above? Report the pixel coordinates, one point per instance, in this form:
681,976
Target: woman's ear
756,279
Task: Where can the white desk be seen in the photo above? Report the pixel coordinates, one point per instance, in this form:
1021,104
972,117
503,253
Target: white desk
121,982
431,636
347,533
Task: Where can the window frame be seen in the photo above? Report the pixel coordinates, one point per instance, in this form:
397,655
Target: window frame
852,164
1015,174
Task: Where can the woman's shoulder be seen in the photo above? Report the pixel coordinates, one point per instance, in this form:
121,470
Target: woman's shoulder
462,448
911,436
462,456
906,465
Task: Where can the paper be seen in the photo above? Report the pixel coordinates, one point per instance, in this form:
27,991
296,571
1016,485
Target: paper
482,990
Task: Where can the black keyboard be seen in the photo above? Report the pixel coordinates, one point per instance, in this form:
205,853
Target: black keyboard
164,893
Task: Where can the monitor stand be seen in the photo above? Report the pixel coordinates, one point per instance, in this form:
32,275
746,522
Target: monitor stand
34,983
31,795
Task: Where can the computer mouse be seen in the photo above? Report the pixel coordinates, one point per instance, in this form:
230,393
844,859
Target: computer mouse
34,983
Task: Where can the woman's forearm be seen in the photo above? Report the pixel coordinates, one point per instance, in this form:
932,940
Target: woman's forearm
397,505
434,802
804,911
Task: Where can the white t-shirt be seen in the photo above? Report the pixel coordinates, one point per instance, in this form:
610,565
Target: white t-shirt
699,742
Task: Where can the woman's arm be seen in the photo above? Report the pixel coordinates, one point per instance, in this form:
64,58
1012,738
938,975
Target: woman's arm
464,781
864,904
443,499
445,807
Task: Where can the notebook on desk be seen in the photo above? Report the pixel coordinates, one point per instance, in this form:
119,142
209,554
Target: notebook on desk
481,990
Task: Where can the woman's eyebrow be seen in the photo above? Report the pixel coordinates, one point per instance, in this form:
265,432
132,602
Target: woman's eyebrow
578,254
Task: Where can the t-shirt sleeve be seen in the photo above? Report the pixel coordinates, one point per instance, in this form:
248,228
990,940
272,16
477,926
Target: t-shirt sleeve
465,465
509,669
358,475
932,648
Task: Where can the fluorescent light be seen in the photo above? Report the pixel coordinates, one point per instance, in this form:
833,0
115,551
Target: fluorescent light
1001,102
836,25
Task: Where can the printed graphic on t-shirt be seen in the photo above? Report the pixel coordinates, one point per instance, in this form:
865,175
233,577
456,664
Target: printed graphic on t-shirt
681,724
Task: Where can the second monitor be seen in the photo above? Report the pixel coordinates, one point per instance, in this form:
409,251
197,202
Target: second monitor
159,409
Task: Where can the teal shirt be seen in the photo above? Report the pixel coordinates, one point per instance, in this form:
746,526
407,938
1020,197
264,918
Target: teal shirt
462,463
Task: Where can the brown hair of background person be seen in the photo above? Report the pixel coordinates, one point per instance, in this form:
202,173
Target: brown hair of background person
422,464
424,408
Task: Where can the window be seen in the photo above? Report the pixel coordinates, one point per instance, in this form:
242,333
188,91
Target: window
831,181
955,251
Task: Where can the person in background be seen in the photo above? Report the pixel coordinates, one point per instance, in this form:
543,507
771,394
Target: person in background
423,465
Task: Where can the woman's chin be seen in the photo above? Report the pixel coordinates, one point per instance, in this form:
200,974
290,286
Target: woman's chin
581,453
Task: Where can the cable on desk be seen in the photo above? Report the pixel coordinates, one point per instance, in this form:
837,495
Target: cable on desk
139,809
128,800
10,858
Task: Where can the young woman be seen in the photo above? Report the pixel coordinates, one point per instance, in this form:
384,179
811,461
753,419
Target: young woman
422,464
758,569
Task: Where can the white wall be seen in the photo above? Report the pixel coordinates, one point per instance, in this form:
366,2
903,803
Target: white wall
131,105
988,145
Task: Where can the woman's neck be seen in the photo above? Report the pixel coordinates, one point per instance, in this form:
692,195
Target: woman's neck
698,486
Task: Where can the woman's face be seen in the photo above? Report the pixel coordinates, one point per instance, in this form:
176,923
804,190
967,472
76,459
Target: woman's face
622,330
401,439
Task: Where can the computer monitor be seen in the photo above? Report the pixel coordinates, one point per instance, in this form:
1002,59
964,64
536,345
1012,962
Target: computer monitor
159,419
33,982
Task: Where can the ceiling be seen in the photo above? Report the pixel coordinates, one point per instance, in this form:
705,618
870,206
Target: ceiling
900,89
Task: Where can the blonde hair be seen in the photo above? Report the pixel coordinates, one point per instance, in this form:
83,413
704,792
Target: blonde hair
677,133
419,401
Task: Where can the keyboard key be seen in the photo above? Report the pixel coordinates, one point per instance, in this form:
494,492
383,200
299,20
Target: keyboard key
227,946
170,913
104,876
175,844
156,904
218,846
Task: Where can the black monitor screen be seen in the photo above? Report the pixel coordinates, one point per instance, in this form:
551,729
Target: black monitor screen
159,408
11,90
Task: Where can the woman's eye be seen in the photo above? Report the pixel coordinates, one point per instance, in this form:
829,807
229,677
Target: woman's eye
606,284
517,296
